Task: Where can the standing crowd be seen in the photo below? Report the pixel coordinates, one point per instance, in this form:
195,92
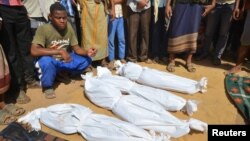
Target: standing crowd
44,41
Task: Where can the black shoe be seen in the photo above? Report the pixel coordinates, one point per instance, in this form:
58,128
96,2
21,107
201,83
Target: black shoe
216,61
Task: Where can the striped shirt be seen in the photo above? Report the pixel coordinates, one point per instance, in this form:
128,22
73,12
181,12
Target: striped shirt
11,2
68,6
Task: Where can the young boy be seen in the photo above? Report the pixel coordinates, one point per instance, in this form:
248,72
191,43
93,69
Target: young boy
116,27
51,45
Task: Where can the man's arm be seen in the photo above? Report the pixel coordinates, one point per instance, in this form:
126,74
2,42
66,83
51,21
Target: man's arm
37,51
238,12
78,50
209,8
168,9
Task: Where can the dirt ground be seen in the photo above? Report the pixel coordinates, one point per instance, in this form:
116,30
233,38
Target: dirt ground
214,107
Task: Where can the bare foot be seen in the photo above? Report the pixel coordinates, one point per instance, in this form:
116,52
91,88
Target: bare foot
233,70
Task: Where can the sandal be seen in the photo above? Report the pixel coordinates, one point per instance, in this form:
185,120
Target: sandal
190,67
170,67
6,117
49,93
13,109
22,98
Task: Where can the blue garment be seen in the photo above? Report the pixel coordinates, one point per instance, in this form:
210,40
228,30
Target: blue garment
68,6
181,24
116,27
183,31
50,67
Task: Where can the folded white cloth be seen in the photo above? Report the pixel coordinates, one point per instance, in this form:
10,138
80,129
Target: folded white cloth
73,118
160,79
167,100
136,110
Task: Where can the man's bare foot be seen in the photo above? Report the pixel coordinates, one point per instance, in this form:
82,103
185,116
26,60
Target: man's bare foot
233,70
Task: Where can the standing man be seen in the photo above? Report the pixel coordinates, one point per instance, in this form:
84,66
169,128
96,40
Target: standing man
139,14
218,20
244,49
183,31
16,42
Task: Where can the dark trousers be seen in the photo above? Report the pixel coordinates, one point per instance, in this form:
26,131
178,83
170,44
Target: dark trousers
158,46
219,19
138,30
16,38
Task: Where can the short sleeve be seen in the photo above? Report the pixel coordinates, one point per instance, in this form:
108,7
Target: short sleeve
39,37
73,39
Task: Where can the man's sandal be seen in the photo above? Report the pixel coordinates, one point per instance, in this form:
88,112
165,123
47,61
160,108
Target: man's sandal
13,109
22,98
170,67
190,67
6,117
49,93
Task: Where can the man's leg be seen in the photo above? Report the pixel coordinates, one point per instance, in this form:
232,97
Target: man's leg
225,18
23,39
242,54
47,69
144,34
121,38
112,25
211,26
133,25
17,89
245,47
77,65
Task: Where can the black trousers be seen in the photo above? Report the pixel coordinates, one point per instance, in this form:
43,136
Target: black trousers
158,36
16,39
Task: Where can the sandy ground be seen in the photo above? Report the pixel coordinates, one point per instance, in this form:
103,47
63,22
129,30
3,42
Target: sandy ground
214,107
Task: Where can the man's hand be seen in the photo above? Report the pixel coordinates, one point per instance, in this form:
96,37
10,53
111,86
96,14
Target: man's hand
208,9
141,4
91,52
112,13
168,11
236,14
65,55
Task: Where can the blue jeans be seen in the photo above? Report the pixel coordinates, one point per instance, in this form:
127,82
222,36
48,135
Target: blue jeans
218,20
116,27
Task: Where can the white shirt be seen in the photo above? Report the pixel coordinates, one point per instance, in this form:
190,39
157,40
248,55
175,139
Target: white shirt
133,4
225,1
118,11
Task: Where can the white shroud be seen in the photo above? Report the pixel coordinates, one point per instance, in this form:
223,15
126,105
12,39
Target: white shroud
73,118
160,79
139,111
167,100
